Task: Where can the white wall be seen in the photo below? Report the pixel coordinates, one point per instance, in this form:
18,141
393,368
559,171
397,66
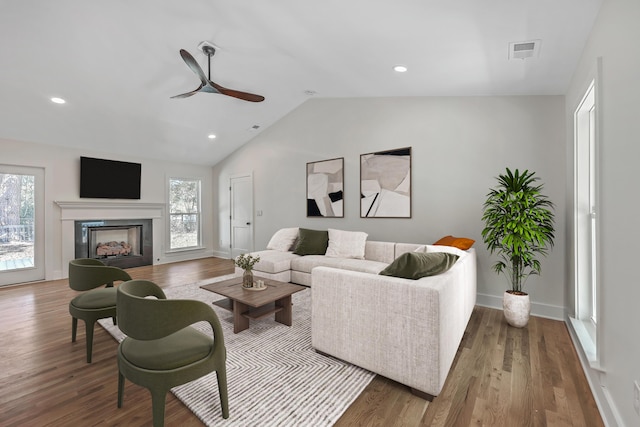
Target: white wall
460,144
614,39
62,183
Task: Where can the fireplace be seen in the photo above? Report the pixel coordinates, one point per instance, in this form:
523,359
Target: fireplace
120,243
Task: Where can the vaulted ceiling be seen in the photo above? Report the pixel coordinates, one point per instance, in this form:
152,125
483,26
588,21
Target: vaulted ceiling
117,63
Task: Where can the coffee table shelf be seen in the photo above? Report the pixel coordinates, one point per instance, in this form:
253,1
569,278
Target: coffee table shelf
262,312
252,313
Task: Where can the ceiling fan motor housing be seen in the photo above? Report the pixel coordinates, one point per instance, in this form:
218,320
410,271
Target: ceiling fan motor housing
207,48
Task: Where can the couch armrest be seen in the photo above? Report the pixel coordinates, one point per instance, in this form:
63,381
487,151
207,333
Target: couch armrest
406,330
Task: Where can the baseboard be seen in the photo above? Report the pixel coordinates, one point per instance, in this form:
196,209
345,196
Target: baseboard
221,254
608,410
187,255
547,311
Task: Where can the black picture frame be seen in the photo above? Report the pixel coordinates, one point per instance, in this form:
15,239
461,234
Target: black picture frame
385,184
325,188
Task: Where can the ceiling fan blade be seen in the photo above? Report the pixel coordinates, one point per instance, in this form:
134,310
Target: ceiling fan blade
243,95
188,94
207,85
184,95
246,96
193,64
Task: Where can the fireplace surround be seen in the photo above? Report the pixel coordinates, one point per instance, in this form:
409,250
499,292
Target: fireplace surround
121,243
87,210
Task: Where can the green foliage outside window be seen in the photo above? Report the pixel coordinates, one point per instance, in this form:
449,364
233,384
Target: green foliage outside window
184,213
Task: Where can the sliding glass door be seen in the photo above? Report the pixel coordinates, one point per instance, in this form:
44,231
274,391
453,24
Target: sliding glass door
21,224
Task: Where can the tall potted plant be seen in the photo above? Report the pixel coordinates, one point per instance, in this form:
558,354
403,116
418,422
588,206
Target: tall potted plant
519,227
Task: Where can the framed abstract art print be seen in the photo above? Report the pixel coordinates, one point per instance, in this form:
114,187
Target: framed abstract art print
385,184
325,186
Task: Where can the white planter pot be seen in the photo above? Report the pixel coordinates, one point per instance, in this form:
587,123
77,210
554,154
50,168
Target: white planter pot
516,309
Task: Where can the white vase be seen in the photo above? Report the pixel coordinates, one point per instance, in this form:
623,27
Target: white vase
517,308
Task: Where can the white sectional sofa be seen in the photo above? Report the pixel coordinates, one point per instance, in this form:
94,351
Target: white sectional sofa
280,263
406,330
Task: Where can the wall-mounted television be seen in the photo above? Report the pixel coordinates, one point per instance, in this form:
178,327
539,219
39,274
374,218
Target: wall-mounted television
109,179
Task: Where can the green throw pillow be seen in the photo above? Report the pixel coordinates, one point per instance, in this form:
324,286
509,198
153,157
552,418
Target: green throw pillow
414,265
312,242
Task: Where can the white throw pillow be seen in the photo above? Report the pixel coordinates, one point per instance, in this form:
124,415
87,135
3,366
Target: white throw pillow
283,239
346,244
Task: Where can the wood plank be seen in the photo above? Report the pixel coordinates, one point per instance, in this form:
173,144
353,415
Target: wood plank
45,379
225,303
262,312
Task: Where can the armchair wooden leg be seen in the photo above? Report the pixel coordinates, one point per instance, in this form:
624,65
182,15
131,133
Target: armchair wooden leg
89,338
158,402
74,328
222,391
120,389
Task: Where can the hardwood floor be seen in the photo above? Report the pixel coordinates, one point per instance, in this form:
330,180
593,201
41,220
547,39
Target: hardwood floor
501,376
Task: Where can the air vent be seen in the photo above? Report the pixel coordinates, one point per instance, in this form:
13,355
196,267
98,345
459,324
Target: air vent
523,50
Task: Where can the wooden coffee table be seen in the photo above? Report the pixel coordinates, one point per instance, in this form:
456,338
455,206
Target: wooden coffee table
253,304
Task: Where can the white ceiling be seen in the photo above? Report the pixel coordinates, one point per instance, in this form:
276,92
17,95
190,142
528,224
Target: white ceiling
117,62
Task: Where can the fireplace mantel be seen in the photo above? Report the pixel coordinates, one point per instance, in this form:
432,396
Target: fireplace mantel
71,211
108,210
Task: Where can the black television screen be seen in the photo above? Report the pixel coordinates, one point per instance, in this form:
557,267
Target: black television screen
109,179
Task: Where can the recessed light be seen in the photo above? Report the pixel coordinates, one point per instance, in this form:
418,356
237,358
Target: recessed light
58,100
212,136
400,68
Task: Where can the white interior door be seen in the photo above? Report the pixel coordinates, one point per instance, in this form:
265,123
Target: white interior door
21,224
241,197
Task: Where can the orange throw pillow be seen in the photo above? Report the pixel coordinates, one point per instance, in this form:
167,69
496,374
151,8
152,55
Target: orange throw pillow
457,242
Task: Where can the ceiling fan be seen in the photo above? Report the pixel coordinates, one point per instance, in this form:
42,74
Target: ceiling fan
206,84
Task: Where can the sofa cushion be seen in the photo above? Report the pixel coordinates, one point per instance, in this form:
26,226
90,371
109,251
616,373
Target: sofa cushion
300,278
463,243
283,240
440,248
311,242
380,251
307,263
272,261
346,244
402,248
414,265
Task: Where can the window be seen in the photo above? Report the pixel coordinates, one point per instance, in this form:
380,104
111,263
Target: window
585,217
21,224
16,221
184,213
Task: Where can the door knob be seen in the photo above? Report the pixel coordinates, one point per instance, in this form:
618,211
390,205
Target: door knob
248,223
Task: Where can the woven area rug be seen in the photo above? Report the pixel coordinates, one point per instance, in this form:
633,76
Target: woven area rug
274,376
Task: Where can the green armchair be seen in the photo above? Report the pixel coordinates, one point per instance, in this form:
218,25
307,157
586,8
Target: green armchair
161,350
87,274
